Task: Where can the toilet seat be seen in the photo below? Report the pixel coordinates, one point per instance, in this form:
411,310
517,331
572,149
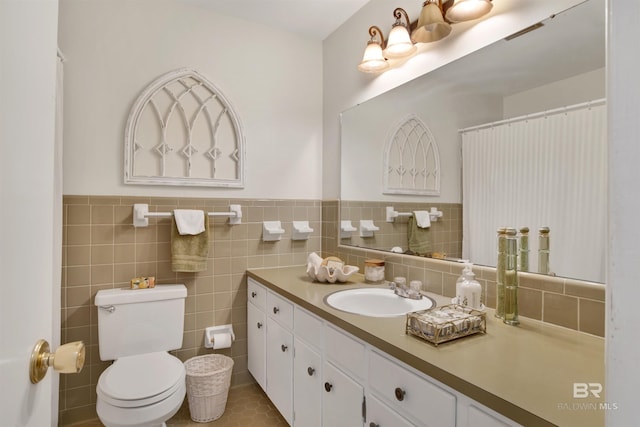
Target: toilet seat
141,380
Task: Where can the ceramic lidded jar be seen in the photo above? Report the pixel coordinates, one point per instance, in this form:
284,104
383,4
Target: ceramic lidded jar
374,270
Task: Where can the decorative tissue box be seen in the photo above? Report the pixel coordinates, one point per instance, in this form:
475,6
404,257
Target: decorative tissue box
446,323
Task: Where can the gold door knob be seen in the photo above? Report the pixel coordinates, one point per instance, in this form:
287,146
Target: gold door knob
67,359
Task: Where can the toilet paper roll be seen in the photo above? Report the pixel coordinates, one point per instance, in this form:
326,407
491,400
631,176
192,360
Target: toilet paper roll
221,340
219,336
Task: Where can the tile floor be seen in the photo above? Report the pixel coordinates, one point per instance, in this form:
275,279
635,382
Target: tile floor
247,406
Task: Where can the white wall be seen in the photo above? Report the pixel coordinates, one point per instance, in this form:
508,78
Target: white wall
623,292
574,90
445,108
367,128
345,87
273,79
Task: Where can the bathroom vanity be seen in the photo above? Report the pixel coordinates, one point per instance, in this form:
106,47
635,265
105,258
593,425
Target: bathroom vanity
324,367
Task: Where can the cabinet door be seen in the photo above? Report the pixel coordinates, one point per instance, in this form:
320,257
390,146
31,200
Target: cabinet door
256,339
307,385
342,399
380,415
280,368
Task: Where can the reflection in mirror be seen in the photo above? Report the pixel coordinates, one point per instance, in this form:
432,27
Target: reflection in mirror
559,64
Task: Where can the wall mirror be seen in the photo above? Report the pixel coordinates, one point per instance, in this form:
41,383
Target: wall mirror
559,63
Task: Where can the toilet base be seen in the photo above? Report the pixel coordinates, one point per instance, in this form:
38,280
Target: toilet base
154,415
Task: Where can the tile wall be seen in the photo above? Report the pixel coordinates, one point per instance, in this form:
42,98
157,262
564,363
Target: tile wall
102,250
445,233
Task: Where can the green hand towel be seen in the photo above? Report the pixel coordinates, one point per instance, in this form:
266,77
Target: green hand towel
189,252
419,238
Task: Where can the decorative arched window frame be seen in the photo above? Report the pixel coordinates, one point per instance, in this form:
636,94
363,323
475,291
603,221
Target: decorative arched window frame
411,160
192,85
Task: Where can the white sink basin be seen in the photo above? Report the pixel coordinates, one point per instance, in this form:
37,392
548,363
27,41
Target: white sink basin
375,302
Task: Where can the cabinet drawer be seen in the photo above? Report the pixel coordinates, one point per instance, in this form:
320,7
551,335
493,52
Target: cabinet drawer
411,394
256,294
346,351
380,415
280,309
307,327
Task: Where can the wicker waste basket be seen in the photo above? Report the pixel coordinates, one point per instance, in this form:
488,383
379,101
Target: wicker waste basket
208,380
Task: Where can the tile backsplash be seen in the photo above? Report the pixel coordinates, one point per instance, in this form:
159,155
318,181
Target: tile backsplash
570,303
102,250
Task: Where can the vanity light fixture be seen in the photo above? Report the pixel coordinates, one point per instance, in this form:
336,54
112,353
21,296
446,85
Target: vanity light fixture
433,24
373,61
468,10
400,44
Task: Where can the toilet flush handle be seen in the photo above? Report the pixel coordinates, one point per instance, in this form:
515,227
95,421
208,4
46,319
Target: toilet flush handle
109,308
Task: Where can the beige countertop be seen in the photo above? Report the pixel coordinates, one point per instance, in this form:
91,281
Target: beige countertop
524,372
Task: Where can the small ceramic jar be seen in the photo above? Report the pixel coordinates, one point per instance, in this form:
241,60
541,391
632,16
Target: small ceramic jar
374,270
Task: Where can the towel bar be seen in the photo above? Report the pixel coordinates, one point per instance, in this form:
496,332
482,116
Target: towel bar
141,214
392,214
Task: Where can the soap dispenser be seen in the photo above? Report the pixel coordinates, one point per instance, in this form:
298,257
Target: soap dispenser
465,270
470,289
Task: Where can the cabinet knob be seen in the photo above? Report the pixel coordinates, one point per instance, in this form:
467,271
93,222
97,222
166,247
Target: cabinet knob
259,325
372,424
328,386
253,294
311,371
400,394
275,310
284,348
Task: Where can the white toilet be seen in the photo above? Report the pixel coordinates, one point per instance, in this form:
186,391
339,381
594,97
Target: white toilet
145,385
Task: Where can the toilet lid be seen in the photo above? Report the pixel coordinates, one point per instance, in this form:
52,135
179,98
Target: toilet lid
141,380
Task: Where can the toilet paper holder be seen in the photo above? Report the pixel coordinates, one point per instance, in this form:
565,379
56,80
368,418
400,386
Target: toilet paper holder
224,332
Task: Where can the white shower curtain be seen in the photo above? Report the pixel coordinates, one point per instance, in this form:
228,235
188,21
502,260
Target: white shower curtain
543,170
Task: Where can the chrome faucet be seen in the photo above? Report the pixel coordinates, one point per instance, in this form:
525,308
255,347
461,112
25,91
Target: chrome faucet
404,292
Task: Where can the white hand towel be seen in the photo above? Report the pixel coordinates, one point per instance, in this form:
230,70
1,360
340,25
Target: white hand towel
189,221
422,219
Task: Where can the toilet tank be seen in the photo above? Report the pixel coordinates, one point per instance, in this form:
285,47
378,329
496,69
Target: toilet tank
139,321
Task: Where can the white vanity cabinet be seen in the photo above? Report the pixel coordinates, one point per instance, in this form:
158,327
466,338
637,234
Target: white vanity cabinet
318,375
